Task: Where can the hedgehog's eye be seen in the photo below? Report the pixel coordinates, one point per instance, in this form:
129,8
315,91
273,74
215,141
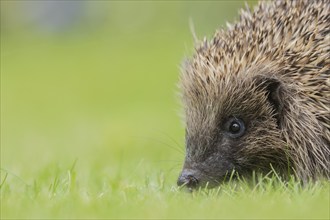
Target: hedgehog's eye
235,127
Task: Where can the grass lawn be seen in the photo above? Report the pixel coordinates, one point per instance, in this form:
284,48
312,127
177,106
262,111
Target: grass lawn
91,128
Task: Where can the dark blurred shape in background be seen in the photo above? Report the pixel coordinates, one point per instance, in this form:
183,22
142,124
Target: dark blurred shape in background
51,15
55,15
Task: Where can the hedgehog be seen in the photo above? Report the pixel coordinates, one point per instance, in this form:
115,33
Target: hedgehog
256,97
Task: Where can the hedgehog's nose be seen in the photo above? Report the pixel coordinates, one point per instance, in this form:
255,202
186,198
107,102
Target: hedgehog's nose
188,178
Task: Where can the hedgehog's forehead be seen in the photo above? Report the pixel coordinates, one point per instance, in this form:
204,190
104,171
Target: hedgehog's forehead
207,84
222,95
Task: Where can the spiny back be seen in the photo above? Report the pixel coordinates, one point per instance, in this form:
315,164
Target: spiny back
292,37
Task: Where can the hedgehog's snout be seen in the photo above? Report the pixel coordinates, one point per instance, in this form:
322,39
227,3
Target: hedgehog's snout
188,178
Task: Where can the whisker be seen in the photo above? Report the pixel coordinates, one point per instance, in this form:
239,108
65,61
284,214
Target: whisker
163,143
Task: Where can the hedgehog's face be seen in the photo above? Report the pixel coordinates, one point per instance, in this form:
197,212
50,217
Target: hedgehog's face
235,128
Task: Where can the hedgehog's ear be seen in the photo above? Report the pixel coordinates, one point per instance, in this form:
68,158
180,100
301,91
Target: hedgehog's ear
274,90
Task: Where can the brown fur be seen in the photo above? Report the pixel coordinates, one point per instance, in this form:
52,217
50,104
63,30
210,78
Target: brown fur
272,69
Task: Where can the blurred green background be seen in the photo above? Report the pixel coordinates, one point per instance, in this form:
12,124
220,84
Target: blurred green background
90,114
96,81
